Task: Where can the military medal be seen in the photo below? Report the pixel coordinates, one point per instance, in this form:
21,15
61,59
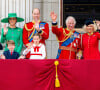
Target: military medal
74,44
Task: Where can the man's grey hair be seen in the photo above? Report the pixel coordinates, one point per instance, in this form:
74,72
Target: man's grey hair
70,17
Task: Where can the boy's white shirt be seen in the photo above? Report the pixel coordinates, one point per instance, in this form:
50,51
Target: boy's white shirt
42,51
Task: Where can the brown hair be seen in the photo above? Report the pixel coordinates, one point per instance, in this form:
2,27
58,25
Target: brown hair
36,34
36,8
10,42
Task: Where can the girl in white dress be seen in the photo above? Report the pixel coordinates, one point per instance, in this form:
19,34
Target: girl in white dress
37,50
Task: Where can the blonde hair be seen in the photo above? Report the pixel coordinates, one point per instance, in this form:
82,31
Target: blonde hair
94,25
37,9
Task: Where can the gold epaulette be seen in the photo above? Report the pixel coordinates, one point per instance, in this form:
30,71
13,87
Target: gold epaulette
28,29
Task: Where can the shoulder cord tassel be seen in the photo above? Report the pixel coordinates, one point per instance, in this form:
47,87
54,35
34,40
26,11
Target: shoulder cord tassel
57,82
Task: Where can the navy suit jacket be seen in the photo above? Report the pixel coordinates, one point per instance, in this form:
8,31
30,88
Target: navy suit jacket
1,47
7,54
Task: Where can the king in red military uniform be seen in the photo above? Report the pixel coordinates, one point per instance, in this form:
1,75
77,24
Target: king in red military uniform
69,40
36,26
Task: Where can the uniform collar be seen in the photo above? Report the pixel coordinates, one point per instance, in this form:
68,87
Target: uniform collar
34,21
12,28
70,30
90,33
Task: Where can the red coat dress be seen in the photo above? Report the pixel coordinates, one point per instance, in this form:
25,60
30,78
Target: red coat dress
90,46
61,34
28,29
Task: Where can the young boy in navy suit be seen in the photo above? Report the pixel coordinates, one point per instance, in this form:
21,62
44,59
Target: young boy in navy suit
10,53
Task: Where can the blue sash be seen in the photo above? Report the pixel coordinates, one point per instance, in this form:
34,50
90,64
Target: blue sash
67,42
30,38
41,26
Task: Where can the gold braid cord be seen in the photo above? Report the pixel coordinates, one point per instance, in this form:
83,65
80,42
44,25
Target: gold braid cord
31,35
68,35
30,30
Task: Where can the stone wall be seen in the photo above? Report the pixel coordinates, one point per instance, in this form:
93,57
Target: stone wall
45,6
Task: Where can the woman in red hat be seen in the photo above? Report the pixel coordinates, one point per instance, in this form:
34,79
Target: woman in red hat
90,41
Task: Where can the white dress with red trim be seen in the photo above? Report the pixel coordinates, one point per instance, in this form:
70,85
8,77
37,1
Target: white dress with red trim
36,52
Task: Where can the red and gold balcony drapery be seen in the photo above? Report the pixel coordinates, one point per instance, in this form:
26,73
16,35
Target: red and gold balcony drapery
41,75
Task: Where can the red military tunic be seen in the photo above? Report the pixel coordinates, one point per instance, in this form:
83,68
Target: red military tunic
28,29
62,35
90,45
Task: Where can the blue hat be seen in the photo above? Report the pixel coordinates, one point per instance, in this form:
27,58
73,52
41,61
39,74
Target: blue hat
89,21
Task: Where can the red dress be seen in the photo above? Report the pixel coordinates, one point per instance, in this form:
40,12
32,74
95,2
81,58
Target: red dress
62,35
90,46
